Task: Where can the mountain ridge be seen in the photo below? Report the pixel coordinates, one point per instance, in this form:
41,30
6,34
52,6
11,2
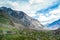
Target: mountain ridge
19,17
55,22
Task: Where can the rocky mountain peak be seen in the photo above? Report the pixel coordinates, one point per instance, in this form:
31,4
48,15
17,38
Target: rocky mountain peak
21,18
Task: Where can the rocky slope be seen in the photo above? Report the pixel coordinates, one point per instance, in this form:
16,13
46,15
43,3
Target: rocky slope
20,20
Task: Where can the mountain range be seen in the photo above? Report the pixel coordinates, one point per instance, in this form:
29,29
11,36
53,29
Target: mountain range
21,20
55,24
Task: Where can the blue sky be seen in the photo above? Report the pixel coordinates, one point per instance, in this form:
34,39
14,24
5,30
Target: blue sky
46,11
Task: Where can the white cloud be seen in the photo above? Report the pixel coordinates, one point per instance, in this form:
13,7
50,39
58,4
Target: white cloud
41,4
32,6
53,16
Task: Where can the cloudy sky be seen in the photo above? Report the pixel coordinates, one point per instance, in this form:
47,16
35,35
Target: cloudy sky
46,11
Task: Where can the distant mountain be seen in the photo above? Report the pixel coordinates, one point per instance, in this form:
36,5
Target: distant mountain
55,24
20,19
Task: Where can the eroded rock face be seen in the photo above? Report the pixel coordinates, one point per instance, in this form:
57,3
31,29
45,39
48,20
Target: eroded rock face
19,17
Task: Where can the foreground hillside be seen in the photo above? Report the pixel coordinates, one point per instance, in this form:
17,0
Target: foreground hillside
30,35
10,33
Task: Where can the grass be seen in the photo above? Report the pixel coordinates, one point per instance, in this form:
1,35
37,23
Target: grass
3,20
34,35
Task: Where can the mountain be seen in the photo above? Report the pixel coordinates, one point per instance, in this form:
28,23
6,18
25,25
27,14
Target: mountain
55,24
20,20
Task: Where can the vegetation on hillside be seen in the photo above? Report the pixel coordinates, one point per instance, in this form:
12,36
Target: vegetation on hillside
30,35
8,32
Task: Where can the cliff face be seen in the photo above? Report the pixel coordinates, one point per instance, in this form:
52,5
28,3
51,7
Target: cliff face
20,20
